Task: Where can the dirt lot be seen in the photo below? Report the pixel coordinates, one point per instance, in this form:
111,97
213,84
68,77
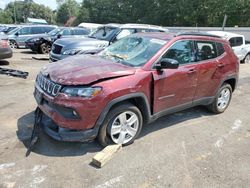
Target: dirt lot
193,148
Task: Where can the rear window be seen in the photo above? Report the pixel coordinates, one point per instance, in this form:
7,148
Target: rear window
220,49
206,50
236,41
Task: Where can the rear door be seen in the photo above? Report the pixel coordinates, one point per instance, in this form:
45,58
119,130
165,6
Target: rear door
176,87
23,35
210,62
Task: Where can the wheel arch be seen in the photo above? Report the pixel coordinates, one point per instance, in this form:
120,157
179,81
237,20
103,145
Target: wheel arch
137,99
232,82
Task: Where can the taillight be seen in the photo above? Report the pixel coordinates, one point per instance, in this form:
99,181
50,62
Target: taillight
4,43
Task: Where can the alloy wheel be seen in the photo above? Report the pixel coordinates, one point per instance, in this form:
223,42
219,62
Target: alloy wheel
223,99
124,127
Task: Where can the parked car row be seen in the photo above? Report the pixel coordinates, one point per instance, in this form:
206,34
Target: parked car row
98,40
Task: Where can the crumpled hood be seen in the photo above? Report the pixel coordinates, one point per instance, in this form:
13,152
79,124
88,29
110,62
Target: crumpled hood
84,70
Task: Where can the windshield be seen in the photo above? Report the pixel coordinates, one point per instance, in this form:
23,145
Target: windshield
103,33
13,31
133,50
55,31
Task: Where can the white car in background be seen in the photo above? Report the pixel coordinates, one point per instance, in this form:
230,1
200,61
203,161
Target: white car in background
240,46
91,26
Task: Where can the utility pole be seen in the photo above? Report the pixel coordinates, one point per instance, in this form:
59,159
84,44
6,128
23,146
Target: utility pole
14,11
224,22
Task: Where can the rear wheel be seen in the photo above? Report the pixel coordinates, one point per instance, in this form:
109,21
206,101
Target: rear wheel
247,59
121,126
222,99
45,48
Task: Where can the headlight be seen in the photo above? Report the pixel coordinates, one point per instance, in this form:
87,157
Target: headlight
81,91
71,52
48,39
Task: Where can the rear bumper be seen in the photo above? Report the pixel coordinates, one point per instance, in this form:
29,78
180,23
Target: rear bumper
69,135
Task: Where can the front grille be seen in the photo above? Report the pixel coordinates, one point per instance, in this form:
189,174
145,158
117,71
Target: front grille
47,85
56,49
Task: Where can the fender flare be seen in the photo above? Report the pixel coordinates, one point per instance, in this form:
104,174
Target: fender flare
146,112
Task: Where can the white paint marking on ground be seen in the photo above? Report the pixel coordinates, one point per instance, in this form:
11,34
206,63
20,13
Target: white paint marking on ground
38,180
38,168
6,165
236,126
110,182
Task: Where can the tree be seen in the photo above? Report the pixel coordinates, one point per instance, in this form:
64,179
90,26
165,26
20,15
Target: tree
66,10
25,9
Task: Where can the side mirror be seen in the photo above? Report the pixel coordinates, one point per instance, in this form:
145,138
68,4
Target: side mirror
17,34
167,63
59,36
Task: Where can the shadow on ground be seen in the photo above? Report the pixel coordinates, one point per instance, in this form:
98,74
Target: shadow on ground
173,119
50,147
28,52
4,62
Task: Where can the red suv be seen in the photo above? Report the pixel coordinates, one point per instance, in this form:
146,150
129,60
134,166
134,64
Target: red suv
136,80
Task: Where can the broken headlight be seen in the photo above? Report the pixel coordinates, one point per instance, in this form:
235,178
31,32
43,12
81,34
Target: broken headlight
81,91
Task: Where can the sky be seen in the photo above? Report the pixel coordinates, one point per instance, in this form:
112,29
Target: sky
50,3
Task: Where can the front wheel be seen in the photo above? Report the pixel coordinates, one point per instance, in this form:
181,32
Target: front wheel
45,48
121,126
247,59
222,99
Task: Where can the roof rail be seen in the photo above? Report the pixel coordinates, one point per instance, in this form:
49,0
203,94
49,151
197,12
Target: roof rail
197,33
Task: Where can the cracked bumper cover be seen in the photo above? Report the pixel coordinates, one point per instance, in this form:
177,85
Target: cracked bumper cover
62,134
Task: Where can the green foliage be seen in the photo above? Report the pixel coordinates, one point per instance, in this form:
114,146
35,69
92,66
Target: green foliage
21,10
67,9
170,12
159,12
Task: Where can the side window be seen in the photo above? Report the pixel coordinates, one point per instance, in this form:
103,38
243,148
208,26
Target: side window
80,32
236,41
66,32
239,41
182,51
206,50
220,49
48,29
124,33
24,31
36,30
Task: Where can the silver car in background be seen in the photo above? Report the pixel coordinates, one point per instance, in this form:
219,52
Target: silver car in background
18,36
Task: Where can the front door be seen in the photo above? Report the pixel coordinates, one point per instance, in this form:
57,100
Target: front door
176,87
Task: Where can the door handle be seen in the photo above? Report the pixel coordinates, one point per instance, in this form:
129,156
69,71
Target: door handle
191,71
220,65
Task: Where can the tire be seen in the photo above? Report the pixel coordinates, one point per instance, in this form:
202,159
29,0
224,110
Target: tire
247,59
13,44
45,48
112,131
222,99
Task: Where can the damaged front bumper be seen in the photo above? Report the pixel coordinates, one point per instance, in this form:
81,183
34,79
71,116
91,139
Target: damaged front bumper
63,134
